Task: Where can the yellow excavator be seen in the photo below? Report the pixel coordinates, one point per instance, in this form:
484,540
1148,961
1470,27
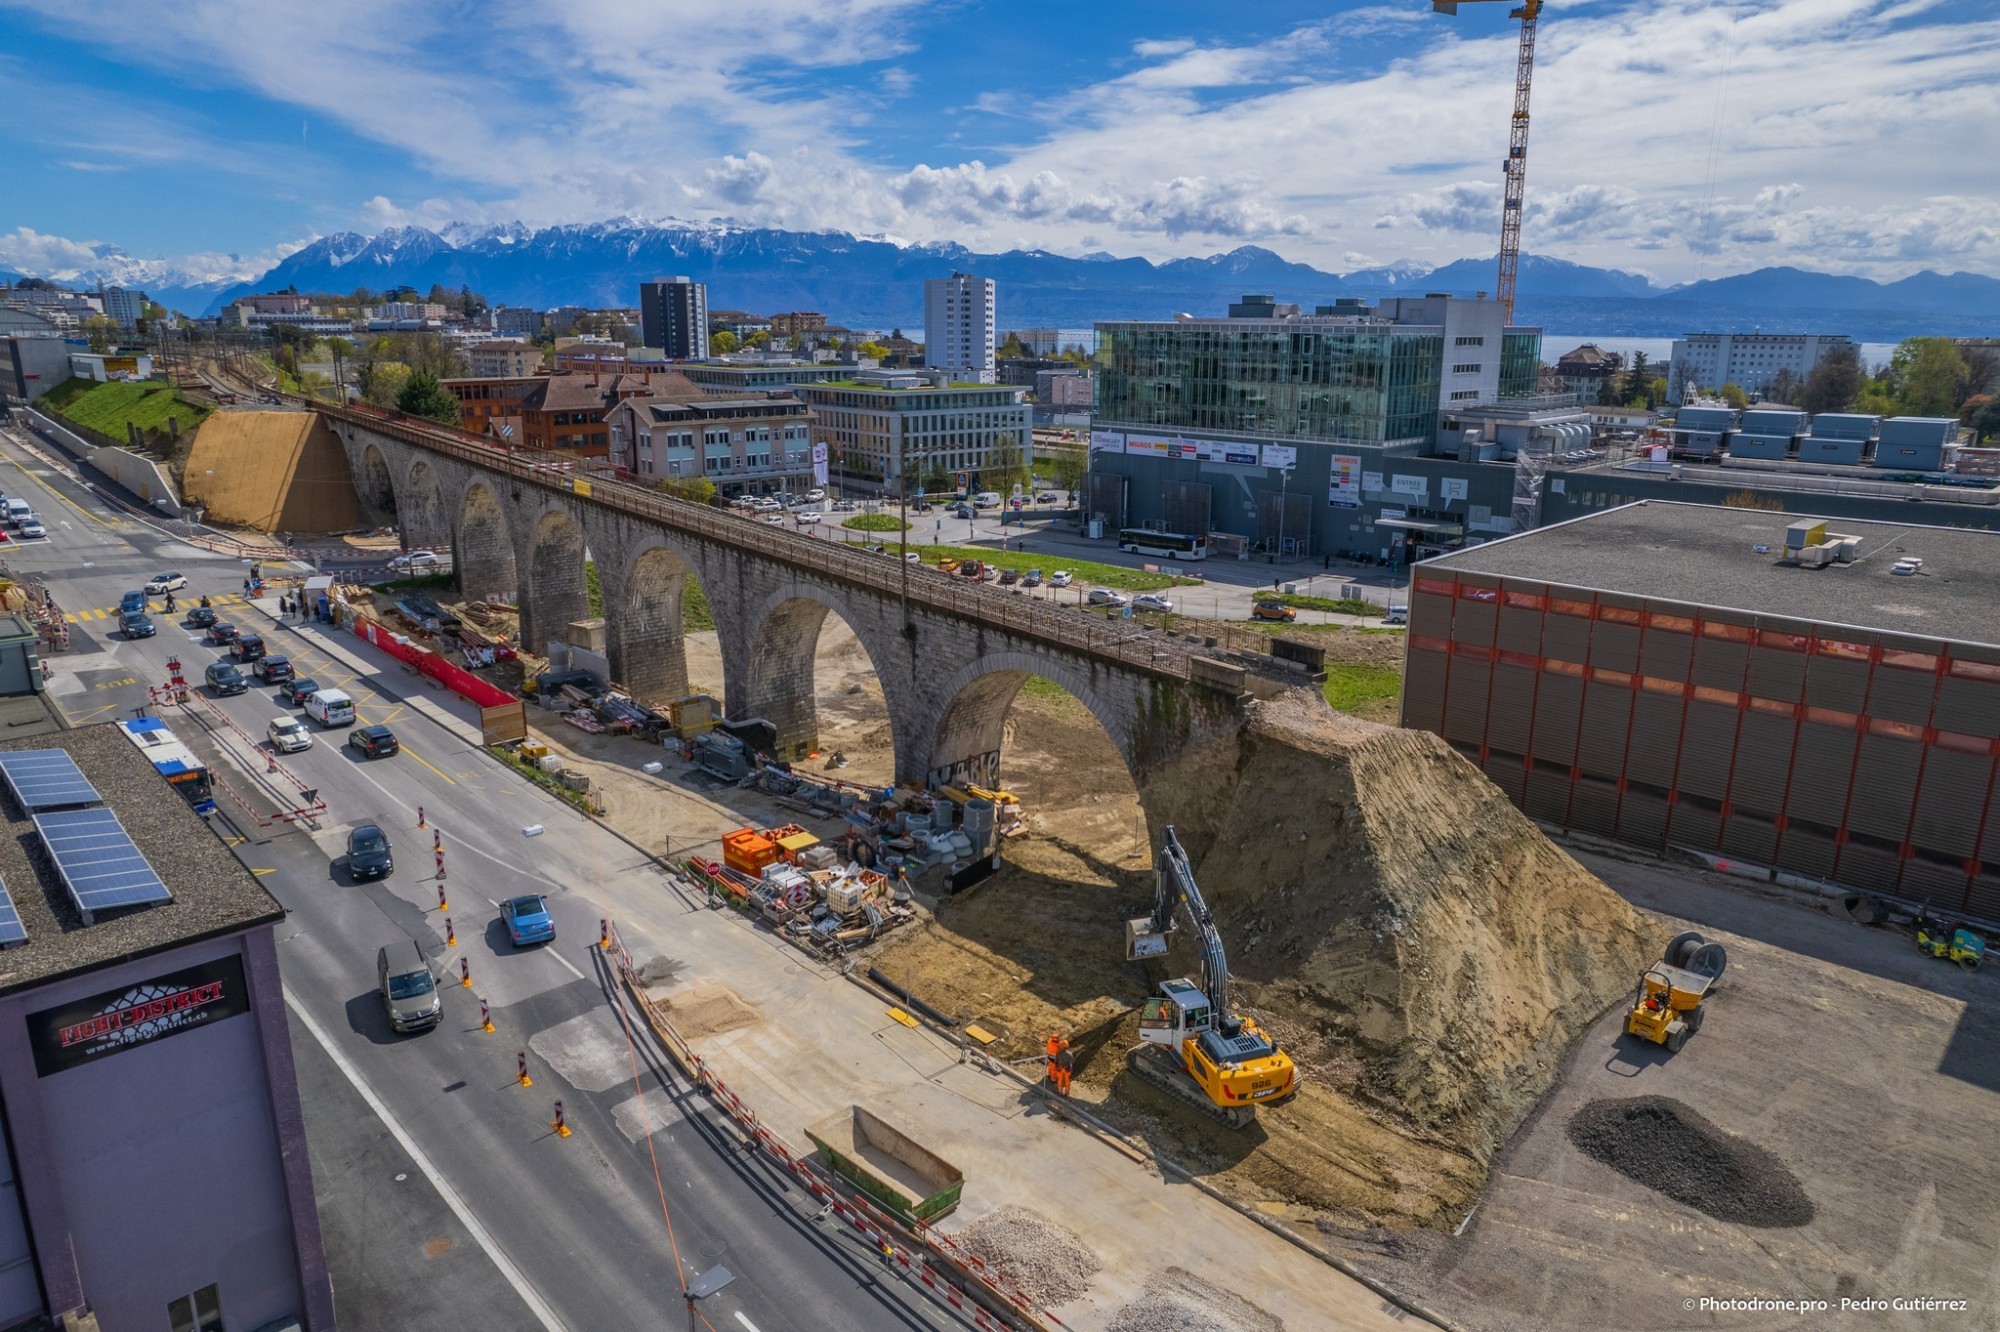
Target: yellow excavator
1192,1045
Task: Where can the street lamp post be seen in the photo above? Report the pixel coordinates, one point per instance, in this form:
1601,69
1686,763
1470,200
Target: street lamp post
903,535
1284,486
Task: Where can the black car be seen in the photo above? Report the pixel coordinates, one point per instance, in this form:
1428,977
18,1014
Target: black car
297,689
368,855
225,679
221,634
201,617
137,624
373,741
272,670
247,647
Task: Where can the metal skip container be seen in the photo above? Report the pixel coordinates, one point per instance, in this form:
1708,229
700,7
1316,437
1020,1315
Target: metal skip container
898,1173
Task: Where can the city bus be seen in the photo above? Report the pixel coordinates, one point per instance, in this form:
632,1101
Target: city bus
173,760
1165,545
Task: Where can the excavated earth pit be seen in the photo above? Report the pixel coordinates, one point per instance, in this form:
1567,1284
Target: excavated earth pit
1668,1146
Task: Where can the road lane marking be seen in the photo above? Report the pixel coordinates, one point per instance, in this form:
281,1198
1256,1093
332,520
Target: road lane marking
567,963
529,1296
428,764
744,1319
261,872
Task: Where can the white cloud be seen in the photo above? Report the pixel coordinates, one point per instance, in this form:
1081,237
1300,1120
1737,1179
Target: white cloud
1844,133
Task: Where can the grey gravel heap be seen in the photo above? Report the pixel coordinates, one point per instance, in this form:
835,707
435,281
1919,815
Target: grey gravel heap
1667,1145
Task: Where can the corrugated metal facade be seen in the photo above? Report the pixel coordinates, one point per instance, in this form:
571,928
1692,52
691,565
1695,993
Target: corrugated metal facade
1866,758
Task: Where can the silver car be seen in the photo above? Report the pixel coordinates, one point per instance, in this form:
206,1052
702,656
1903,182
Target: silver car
409,990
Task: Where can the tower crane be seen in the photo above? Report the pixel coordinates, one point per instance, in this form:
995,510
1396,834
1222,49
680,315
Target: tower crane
1192,1043
1516,168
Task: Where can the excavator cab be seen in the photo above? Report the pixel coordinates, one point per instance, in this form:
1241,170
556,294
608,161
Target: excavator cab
1178,1016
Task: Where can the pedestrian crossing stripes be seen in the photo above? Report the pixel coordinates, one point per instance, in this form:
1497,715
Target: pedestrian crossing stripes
180,607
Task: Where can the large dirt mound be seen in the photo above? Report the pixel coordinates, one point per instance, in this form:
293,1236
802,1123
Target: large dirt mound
1376,887
271,471
1669,1146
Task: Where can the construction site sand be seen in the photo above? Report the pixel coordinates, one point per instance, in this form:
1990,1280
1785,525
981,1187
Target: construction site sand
708,1010
1415,942
271,471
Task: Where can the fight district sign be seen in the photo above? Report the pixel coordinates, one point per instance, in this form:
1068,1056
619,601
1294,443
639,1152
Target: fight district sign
104,1024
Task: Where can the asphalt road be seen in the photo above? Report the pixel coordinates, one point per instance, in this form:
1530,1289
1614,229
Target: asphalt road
572,1227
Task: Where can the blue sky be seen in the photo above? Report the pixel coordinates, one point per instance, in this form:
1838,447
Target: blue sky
1710,137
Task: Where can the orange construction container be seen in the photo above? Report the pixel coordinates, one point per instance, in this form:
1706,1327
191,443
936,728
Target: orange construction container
748,850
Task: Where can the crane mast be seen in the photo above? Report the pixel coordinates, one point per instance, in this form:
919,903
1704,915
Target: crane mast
1516,167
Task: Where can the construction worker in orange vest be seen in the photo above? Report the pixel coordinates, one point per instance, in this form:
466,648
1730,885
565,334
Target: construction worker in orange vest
1065,1064
1053,1047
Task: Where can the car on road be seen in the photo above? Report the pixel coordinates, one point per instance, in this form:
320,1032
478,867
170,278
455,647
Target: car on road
201,617
1032,578
1273,610
1105,596
841,506
272,670
368,852
166,582
298,689
288,735
528,920
247,647
330,708
1049,497
225,679
1151,601
962,511
31,528
373,741
1009,577
409,990
815,495
133,601
414,559
806,517
137,624
221,634
1397,615
1060,578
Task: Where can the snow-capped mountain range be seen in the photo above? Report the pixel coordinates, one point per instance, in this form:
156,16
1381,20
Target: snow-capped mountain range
874,282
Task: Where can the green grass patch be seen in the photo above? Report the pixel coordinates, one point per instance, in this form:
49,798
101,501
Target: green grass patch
1355,688
695,614
593,591
1331,605
1040,686
874,522
108,408
1084,571
437,582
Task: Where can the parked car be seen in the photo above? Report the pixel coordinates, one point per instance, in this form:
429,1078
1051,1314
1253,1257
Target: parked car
1273,610
201,617
220,634
1060,578
368,853
225,679
31,528
298,689
247,647
1151,601
137,624
1105,596
842,506
815,495
409,990
1397,615
913,556
528,920
414,559
1008,577
272,670
133,601
1032,578
166,582
1048,497
373,741
288,735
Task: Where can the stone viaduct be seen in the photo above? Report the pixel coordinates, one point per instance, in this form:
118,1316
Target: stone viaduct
950,656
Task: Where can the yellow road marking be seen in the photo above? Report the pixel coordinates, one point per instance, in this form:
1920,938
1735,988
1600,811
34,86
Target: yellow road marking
85,716
428,764
70,616
262,872
238,841
101,522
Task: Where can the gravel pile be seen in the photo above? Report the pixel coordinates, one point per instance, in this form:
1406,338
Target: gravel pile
1047,1262
1179,1301
1667,1145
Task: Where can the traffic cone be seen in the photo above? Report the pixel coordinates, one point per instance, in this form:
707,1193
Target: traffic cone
465,973
485,1018
442,904
561,1128
450,938
524,1079
604,934
420,817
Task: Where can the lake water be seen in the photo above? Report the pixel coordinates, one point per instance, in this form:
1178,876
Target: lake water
1659,350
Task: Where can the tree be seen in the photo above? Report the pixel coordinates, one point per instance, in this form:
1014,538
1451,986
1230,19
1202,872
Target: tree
339,349
1927,377
759,339
385,382
421,395
1734,395
937,479
699,489
1012,347
873,351
100,330
1987,423
1006,466
1982,369
722,342
1785,387
1068,468
1636,380
1833,384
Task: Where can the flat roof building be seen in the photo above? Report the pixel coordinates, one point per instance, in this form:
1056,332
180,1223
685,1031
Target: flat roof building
1817,697
1706,361
748,445
873,421
145,1063
673,316
959,326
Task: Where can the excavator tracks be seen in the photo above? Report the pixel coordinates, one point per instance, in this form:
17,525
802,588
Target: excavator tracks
1157,1065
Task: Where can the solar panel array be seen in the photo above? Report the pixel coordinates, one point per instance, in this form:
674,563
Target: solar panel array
12,932
46,779
98,863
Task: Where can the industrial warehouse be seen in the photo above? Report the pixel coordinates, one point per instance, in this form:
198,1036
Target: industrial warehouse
1820,697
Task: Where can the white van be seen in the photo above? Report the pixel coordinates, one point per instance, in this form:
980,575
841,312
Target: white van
19,511
986,499
330,708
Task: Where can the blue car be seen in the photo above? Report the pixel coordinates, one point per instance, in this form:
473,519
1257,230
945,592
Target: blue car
133,602
528,920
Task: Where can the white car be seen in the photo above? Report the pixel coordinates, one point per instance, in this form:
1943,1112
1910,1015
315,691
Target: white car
1151,601
1060,578
415,559
31,527
289,735
815,495
1104,596
166,582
